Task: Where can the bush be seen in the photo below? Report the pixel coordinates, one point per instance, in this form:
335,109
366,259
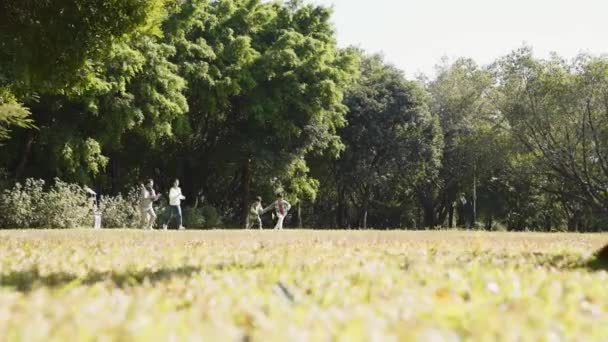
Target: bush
193,218
29,206
200,218
65,206
19,205
121,212
213,219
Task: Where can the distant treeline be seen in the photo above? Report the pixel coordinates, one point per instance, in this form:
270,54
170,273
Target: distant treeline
240,98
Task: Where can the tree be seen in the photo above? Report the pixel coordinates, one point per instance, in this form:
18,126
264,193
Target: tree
132,94
392,144
44,45
463,99
12,114
557,111
265,89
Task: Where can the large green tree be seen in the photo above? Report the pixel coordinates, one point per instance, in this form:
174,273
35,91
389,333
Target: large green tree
45,45
557,110
463,97
265,89
131,98
392,144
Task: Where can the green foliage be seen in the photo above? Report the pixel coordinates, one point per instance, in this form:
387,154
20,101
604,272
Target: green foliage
12,114
193,218
392,143
19,205
121,212
47,47
240,98
43,44
63,205
462,99
556,110
202,218
265,88
134,94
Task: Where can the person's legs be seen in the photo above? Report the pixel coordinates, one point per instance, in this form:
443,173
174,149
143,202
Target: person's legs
144,219
171,212
260,222
152,219
279,224
178,211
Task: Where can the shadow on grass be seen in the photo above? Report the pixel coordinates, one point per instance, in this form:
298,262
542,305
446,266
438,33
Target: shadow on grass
599,262
28,280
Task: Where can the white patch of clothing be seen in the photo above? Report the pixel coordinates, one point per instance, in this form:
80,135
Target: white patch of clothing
281,208
175,196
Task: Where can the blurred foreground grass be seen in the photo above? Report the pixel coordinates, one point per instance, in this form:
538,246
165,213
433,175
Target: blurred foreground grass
81,285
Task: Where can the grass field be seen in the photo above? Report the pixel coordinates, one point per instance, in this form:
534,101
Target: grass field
300,285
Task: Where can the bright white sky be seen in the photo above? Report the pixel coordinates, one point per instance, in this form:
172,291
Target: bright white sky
415,34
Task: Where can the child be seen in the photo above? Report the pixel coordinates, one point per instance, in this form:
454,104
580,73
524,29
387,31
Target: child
175,200
281,207
147,197
254,213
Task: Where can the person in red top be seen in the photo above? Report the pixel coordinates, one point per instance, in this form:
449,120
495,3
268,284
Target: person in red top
281,208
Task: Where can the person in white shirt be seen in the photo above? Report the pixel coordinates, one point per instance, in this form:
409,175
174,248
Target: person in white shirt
147,198
175,209
281,208
254,213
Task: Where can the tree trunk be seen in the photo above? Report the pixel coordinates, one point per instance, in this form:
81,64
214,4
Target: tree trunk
461,207
341,209
364,211
25,156
429,216
300,214
246,187
474,218
451,216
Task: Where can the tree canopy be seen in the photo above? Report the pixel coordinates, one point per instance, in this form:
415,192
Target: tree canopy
240,98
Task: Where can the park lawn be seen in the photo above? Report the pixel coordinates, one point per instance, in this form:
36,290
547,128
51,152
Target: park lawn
292,285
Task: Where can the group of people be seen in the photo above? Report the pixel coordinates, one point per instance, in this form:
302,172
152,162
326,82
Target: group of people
280,206
148,196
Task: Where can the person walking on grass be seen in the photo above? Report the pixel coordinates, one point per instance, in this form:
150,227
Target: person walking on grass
147,198
281,208
254,213
175,209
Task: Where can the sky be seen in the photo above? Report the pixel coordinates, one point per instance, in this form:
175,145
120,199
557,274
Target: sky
415,34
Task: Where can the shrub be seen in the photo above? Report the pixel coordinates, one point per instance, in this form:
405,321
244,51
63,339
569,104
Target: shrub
19,205
65,206
213,219
199,218
29,206
193,218
121,212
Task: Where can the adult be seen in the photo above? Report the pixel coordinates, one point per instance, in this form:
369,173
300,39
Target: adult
147,198
175,201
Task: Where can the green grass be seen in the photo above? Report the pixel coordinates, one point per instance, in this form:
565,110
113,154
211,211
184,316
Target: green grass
300,285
